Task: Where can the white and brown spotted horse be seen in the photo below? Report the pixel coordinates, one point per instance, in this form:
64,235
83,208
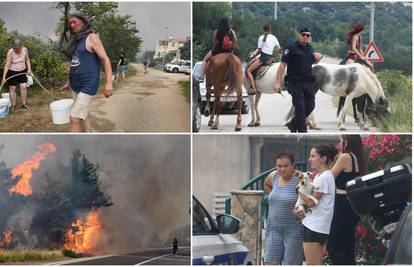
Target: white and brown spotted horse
352,80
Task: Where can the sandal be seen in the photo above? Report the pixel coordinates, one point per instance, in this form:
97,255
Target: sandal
25,106
12,108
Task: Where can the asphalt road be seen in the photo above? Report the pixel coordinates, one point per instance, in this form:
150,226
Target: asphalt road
273,109
144,257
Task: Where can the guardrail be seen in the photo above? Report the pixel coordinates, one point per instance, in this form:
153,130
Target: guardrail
257,183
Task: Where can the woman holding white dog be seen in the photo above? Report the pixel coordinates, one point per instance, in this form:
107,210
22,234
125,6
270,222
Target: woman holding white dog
350,164
317,223
283,235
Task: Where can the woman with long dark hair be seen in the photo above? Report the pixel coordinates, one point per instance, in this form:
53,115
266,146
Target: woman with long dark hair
266,45
354,44
317,223
350,164
224,39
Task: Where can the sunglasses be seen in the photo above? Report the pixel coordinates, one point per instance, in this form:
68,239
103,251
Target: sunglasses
305,35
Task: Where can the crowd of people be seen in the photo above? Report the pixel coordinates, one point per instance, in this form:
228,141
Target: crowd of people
330,221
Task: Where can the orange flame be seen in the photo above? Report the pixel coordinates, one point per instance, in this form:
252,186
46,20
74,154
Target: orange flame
7,239
87,234
25,169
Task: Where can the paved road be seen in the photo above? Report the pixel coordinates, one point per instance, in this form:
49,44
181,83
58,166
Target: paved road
145,257
273,109
150,102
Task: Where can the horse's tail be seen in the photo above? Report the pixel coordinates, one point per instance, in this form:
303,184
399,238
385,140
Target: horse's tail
233,70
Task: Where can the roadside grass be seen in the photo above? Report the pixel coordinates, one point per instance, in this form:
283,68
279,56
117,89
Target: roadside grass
400,119
185,90
398,91
31,256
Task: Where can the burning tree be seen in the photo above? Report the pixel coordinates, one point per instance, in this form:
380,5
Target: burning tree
65,202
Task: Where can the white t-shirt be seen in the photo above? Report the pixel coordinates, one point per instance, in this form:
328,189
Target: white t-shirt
269,45
319,220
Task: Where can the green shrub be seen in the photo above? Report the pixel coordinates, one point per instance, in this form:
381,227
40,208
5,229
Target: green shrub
49,64
393,81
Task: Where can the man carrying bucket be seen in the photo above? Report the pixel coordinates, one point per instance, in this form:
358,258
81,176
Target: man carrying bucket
86,53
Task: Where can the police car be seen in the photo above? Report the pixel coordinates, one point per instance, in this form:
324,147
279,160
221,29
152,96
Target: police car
213,242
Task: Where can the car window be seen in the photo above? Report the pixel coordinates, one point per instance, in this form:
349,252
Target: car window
202,223
197,70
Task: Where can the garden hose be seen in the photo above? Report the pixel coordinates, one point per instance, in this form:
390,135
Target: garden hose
34,77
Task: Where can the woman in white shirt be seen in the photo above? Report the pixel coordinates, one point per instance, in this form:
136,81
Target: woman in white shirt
17,66
266,44
316,224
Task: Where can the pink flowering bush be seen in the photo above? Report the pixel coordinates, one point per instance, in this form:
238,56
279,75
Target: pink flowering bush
380,149
383,149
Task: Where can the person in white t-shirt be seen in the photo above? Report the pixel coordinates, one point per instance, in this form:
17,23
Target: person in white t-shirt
317,223
266,45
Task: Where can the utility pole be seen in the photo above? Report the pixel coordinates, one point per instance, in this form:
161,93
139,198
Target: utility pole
371,26
165,46
275,11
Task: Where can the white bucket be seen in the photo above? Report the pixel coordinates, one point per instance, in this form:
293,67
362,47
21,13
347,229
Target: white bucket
4,107
61,110
6,96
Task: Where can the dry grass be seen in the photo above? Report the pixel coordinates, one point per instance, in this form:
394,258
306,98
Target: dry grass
30,256
39,117
36,119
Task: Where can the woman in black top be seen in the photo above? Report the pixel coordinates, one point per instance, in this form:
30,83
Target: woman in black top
350,164
121,67
225,40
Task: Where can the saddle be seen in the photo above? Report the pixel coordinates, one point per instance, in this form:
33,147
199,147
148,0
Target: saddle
259,72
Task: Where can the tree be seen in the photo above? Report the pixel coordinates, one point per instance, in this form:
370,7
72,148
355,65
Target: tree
148,54
185,51
118,33
84,188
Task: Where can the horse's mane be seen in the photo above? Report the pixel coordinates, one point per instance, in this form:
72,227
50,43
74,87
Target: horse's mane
373,78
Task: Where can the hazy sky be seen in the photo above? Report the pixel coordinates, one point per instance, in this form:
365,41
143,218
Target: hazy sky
151,18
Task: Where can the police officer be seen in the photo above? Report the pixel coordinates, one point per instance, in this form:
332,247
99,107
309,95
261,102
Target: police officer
299,58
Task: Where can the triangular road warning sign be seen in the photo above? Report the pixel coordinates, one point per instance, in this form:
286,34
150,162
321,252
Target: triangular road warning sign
372,53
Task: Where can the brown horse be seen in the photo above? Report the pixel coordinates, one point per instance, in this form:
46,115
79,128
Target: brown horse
224,70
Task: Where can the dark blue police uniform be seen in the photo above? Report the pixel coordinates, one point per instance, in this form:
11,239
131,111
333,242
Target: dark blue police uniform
299,59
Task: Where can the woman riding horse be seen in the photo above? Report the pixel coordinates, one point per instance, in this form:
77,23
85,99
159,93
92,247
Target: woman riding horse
266,44
355,55
225,41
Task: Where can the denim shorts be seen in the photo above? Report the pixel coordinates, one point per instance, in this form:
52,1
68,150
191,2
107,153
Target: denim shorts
122,68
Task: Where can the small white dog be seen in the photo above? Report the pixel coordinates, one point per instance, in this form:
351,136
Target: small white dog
306,187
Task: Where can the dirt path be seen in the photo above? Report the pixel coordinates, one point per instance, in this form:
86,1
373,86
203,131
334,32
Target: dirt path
149,102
